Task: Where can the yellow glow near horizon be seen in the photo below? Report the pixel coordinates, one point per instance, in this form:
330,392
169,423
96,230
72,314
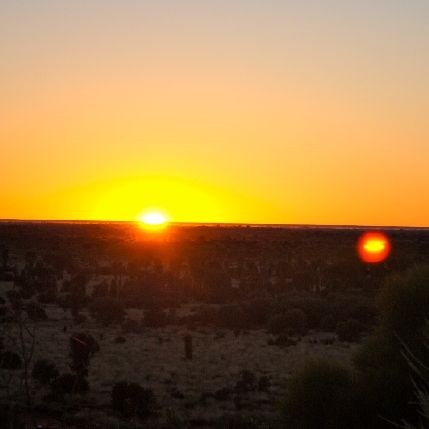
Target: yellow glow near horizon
290,114
179,199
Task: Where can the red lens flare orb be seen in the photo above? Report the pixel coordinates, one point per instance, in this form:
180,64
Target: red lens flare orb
374,247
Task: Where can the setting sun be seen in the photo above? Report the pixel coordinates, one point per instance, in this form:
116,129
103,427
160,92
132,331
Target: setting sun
153,219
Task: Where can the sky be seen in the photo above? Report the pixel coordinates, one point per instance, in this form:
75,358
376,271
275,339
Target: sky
273,111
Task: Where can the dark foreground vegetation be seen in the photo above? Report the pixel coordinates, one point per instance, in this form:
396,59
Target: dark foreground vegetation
291,284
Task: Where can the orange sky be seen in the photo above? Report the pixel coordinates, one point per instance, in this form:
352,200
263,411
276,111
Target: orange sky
239,111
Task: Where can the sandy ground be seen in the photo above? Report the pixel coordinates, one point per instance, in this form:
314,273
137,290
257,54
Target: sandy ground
155,359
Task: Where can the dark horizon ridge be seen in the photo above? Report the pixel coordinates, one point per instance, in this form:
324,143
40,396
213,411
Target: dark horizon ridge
218,224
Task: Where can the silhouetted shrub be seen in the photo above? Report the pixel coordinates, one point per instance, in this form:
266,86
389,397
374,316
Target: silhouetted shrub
315,309
131,399
131,326
222,394
10,360
44,371
264,384
69,384
328,323
47,297
361,311
107,310
3,312
328,341
384,383
15,298
232,317
282,341
11,417
258,312
421,381
82,348
385,378
320,396
242,421
35,312
172,318
100,290
291,322
28,291
155,318
205,315
404,305
176,393
246,381
79,318
350,330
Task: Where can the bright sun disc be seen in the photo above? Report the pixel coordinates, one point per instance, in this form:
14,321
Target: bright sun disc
374,247
153,219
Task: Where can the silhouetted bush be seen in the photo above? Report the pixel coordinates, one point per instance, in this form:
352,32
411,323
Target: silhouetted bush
328,323
222,394
384,382
131,326
315,309
242,422
69,384
421,382
385,378
404,305
232,317
10,360
258,312
155,318
82,348
131,399
362,312
350,331
44,371
11,417
15,298
246,382
107,310
47,297
264,384
354,306
100,290
35,312
282,340
79,318
291,322
320,396
4,311
205,315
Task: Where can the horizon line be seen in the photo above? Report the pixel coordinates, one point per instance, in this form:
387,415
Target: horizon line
218,224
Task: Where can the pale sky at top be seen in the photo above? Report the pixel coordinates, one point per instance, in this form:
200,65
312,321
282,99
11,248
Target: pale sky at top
248,111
